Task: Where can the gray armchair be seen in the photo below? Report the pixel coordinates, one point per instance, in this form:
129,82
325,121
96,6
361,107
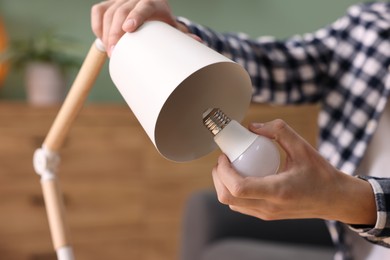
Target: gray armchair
211,231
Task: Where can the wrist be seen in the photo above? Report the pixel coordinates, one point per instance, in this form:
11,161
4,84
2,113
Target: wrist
354,201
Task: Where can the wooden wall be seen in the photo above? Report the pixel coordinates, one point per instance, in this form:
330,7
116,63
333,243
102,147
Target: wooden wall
123,200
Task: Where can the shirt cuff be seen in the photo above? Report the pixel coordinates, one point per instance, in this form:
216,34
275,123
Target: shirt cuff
381,231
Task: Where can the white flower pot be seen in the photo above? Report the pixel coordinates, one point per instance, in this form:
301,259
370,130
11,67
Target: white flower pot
45,84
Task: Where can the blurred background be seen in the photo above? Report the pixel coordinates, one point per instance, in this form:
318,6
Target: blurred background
123,200
71,18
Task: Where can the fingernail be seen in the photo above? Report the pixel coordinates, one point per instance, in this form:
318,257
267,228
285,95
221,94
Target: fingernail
129,24
256,125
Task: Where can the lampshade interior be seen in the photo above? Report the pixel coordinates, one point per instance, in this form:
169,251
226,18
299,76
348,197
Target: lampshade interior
180,134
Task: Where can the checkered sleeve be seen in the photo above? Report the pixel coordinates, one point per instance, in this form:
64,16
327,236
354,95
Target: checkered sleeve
380,233
322,67
282,71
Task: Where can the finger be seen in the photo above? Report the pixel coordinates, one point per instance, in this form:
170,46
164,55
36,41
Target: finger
282,133
138,15
148,10
229,177
97,14
223,193
119,17
107,21
266,187
225,197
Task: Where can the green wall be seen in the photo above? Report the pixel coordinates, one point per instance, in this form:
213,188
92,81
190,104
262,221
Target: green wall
280,18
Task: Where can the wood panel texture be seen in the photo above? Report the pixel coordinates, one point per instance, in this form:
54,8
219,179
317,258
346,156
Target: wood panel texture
123,200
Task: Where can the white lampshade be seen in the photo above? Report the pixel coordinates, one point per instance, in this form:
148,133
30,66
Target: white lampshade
169,79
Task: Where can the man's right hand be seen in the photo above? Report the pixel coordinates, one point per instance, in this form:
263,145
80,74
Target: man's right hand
111,19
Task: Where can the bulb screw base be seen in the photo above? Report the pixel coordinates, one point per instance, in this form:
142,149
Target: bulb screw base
215,120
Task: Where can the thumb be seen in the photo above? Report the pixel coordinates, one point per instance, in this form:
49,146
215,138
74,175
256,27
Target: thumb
281,132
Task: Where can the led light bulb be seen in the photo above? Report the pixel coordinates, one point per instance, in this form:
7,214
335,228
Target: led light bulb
249,153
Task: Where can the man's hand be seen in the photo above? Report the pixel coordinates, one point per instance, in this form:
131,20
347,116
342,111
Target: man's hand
307,187
111,19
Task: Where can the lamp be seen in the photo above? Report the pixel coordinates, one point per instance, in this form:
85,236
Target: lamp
169,80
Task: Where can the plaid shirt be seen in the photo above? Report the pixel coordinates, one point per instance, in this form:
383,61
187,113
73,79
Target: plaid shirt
345,68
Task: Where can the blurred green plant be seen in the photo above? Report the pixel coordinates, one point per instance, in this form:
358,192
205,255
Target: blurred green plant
44,47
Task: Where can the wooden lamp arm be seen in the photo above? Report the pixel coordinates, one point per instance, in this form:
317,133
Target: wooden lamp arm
76,97
46,158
